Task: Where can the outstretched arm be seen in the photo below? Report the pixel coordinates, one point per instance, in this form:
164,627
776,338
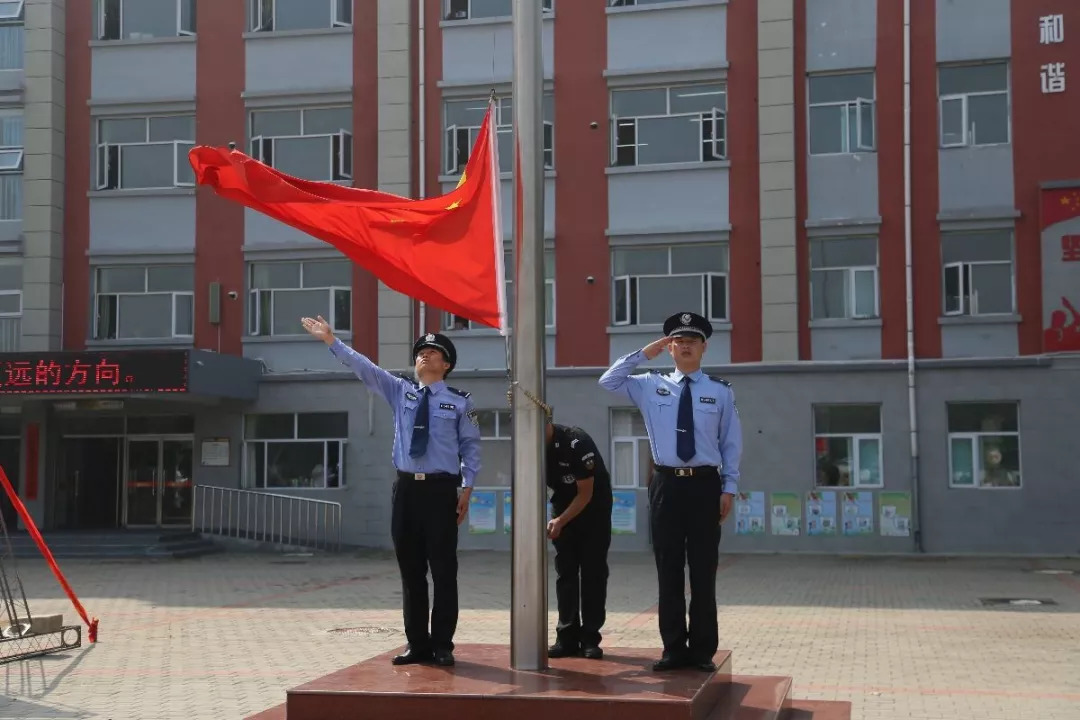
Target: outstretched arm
385,384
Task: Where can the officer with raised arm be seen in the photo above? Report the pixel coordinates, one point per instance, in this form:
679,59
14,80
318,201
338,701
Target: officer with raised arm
696,442
436,453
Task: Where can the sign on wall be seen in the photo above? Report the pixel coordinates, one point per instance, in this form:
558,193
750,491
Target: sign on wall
750,513
895,514
786,513
1060,223
1052,74
858,513
482,512
624,512
821,512
64,373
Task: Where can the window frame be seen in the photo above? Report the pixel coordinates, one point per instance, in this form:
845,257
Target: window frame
14,291
502,125
254,310
174,294
547,6
14,170
498,437
105,155
181,31
855,461
637,442
18,16
851,271
976,458
632,298
256,12
967,134
342,444
969,299
718,119
340,159
846,106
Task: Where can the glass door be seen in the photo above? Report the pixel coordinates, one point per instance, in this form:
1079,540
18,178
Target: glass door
158,481
175,497
142,478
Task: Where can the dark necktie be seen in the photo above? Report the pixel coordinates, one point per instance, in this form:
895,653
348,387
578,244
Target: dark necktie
418,446
684,440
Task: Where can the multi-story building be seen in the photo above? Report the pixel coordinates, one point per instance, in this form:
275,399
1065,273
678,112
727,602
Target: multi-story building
899,342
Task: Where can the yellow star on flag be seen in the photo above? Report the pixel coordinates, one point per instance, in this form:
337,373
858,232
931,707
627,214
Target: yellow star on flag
460,182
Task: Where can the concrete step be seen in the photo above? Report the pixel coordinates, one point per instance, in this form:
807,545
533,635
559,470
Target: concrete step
754,697
818,710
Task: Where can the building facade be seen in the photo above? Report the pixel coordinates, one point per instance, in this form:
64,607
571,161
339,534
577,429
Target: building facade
742,159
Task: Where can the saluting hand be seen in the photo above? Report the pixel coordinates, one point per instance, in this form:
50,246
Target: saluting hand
656,347
318,328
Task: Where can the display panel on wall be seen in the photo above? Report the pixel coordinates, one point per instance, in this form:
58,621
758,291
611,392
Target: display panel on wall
99,373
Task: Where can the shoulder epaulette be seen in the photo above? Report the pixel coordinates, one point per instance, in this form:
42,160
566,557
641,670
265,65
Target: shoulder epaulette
462,393
720,380
655,372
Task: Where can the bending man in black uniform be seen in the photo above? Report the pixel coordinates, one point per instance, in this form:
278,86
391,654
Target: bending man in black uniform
580,529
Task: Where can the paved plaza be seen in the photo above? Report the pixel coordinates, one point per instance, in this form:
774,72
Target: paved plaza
224,636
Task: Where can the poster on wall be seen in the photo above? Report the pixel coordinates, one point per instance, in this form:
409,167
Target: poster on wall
821,512
482,512
1060,220
895,514
508,511
624,512
786,513
858,515
750,513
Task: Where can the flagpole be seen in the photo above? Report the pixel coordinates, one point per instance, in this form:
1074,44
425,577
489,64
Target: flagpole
528,608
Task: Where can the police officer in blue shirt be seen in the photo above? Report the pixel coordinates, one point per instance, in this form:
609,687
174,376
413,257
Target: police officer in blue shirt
696,442
436,452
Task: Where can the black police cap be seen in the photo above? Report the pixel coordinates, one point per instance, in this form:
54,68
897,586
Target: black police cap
687,323
441,343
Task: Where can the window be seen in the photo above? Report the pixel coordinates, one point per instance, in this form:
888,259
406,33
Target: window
145,152
139,19
684,124
11,34
841,113
10,289
11,165
978,273
974,104
475,9
497,450
630,452
456,322
283,292
138,302
984,445
650,283
631,3
847,443
280,15
297,450
843,278
309,143
462,120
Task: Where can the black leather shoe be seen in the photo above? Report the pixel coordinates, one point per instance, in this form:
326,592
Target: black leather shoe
558,650
705,666
444,658
669,662
593,652
411,657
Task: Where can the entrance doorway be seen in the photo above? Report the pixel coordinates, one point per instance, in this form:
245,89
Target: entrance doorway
87,495
158,489
10,461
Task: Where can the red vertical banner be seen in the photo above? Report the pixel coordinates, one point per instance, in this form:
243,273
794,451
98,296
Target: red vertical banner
1059,215
30,469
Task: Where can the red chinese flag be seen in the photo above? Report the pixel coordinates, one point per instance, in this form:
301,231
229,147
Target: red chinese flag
446,251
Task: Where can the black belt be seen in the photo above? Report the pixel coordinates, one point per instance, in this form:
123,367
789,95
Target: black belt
433,477
702,470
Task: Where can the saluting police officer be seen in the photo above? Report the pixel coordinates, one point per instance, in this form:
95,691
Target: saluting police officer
580,529
696,441
436,452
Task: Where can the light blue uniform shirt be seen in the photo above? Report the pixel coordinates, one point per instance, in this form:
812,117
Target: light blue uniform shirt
454,435
717,430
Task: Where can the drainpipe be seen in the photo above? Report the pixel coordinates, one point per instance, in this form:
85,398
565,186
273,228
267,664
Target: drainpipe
913,417
421,130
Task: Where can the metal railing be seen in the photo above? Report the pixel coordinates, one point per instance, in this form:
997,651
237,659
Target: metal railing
267,517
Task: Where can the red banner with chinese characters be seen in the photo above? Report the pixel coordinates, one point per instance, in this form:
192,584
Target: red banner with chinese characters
129,371
28,523
1060,223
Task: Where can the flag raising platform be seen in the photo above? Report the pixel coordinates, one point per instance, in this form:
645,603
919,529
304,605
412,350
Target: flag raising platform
482,686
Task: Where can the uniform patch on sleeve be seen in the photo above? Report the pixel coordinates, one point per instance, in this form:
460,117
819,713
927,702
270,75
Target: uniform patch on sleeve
473,418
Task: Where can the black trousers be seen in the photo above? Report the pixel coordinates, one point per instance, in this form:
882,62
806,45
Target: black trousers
425,533
581,575
684,515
